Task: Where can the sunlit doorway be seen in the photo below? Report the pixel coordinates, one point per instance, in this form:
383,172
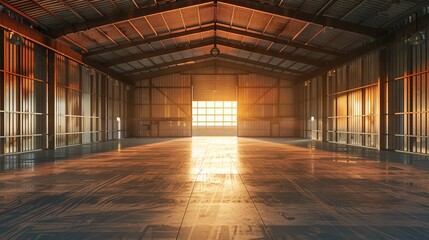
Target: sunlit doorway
214,118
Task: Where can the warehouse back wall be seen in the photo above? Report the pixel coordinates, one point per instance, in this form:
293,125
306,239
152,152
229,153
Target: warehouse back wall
162,106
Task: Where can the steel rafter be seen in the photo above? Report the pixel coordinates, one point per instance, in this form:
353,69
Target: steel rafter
215,61
211,28
122,17
224,43
306,17
149,40
141,56
380,43
207,56
251,5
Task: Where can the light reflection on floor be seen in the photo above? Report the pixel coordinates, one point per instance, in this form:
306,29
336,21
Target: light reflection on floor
214,157
213,188
219,197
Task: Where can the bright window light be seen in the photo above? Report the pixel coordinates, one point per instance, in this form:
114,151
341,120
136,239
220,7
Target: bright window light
214,113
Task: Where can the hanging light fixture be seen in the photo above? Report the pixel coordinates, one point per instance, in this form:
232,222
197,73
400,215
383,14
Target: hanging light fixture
16,39
215,50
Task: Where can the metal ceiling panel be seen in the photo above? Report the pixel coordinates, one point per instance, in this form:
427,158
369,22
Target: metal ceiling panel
276,47
86,9
324,37
308,33
366,9
289,49
274,27
106,7
341,8
251,41
54,14
206,14
241,17
157,23
308,68
111,32
313,6
235,52
259,21
297,66
303,52
154,45
174,20
226,13
83,41
157,60
288,29
141,26
387,15
190,16
275,61
294,4
339,39
265,59
128,30
286,64
117,69
125,67
136,65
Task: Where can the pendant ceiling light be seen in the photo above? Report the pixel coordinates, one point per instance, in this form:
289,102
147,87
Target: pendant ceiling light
215,50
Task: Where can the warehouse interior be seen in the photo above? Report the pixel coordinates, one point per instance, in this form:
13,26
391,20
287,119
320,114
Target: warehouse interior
224,119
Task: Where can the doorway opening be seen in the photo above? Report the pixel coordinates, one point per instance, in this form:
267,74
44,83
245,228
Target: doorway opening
214,118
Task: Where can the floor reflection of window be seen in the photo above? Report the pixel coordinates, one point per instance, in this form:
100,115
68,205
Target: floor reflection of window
214,118
215,160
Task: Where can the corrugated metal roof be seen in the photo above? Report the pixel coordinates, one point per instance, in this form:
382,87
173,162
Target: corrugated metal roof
371,13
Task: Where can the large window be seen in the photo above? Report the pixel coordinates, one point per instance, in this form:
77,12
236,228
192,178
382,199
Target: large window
214,118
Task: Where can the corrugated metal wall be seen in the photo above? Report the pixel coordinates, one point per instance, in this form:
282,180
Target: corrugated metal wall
265,107
408,92
366,108
214,87
351,104
312,101
78,95
22,87
162,106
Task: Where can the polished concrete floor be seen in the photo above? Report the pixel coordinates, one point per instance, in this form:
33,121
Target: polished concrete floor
214,188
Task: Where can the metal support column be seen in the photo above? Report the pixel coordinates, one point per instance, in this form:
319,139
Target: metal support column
409,103
2,94
382,82
325,101
103,109
51,102
132,126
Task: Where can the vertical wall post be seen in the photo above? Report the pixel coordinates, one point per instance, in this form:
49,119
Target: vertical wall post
51,102
409,102
131,124
2,94
382,115
151,123
103,108
325,101
18,102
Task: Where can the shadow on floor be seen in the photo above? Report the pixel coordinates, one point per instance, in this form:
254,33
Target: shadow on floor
27,160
